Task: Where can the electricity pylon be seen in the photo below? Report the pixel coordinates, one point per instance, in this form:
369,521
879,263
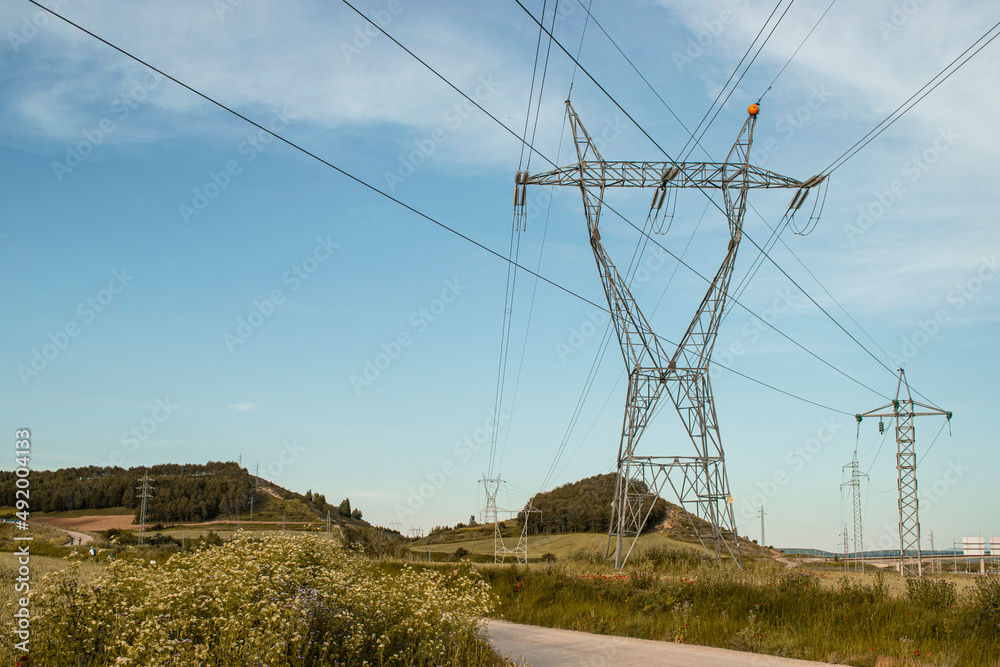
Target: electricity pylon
491,514
145,493
855,486
904,409
698,481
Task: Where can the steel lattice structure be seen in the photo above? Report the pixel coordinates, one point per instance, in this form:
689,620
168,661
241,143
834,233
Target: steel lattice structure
904,410
145,489
491,514
699,482
855,485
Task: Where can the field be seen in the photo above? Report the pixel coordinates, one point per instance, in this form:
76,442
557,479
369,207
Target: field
560,545
199,595
874,619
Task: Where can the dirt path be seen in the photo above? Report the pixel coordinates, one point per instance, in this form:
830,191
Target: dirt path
93,522
548,647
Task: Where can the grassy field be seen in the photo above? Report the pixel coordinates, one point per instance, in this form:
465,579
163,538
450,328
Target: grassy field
869,620
560,545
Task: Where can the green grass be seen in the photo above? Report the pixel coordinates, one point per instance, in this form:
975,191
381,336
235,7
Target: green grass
679,596
560,545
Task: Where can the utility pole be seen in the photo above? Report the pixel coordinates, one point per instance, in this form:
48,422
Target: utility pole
145,493
855,486
282,520
762,549
699,482
904,410
328,533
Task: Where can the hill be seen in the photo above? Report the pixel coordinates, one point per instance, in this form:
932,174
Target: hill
182,493
584,506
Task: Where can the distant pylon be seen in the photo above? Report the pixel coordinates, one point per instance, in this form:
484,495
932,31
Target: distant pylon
145,493
845,547
762,549
855,486
904,409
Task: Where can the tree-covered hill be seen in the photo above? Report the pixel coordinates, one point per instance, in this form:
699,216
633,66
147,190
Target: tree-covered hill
181,493
583,506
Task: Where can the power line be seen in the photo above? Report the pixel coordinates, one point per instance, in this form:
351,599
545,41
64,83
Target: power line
577,64
712,201
776,231
305,151
890,119
670,159
386,195
796,52
512,284
735,70
747,68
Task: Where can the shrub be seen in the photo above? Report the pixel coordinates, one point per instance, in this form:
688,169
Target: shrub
933,593
277,599
985,606
548,557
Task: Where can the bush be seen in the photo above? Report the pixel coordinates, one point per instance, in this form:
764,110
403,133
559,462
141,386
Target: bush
933,593
276,599
548,558
985,606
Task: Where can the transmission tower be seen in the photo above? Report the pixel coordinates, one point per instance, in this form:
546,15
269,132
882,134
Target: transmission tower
845,538
253,489
145,493
854,484
699,482
903,411
762,549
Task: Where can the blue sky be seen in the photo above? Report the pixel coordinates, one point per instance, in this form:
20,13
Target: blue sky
189,289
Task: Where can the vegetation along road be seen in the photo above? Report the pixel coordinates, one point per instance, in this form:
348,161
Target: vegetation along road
550,647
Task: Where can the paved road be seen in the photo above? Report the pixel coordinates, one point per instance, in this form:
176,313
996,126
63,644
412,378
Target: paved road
79,539
548,647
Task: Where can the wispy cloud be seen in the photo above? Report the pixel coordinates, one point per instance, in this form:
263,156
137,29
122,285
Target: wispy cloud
243,407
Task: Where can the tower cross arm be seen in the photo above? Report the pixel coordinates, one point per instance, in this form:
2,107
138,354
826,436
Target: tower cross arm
708,175
890,410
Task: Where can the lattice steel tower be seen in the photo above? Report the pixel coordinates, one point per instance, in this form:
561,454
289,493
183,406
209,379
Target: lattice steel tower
904,409
145,493
855,486
698,481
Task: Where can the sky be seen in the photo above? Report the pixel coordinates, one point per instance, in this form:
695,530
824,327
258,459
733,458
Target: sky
184,287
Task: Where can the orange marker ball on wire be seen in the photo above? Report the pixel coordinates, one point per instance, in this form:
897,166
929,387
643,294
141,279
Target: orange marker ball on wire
753,109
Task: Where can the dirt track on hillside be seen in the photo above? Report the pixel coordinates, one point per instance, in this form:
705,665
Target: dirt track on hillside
94,523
